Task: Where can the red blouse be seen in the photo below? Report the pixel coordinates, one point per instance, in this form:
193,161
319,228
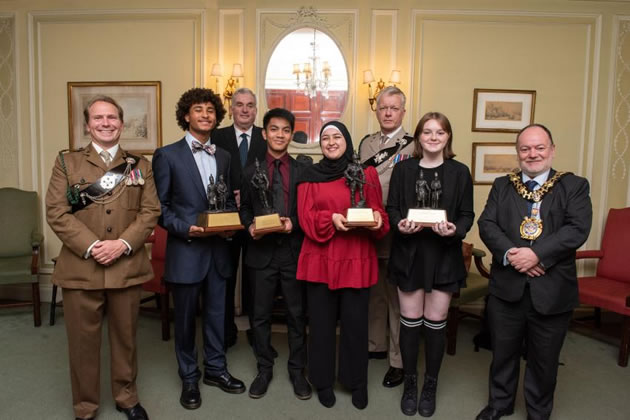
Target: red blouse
339,259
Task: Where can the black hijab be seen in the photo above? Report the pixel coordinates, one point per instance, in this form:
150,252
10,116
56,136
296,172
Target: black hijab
326,169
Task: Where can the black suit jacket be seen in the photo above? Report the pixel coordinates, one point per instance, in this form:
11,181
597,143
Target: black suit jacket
457,200
259,252
182,197
225,138
566,213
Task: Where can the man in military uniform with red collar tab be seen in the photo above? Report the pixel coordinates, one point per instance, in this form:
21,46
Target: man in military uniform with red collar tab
102,204
383,150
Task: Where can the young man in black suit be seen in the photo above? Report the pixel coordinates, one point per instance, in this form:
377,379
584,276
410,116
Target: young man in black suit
272,258
244,141
533,224
197,263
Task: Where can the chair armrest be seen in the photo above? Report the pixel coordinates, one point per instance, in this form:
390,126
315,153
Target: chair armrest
589,254
479,254
36,239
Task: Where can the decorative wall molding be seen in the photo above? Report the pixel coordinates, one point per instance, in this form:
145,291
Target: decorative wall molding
621,110
36,19
393,52
222,39
340,24
10,145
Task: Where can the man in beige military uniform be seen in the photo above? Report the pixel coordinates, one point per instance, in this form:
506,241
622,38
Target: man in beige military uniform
383,150
103,225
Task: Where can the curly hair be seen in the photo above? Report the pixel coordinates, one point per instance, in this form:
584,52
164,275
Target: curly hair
198,96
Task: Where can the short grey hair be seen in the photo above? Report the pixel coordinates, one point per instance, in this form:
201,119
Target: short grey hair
389,91
244,90
101,98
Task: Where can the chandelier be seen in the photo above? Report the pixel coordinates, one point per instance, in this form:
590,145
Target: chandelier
309,78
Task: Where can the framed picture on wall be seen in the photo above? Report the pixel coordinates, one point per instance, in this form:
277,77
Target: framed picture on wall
501,110
492,160
140,101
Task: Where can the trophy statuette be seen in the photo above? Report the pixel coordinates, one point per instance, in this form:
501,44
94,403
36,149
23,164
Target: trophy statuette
358,215
270,220
217,218
427,212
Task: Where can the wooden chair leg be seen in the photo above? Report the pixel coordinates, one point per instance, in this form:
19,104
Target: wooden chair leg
53,305
597,316
625,342
451,330
37,315
164,315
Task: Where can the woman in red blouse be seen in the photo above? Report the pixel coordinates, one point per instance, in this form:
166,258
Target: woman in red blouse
339,263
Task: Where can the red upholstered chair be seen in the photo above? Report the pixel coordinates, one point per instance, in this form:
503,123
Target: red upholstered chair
609,289
157,284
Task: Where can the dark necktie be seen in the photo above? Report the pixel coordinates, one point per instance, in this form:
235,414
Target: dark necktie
277,190
531,184
242,149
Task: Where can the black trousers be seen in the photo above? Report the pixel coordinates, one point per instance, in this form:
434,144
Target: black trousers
510,323
185,304
325,306
280,271
236,246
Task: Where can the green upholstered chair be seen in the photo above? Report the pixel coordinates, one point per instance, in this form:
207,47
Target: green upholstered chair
20,240
477,288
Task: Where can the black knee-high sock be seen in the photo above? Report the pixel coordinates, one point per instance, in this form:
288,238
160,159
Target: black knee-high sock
435,341
409,343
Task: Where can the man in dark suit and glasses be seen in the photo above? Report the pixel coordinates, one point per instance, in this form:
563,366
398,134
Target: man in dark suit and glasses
197,263
244,141
272,258
533,223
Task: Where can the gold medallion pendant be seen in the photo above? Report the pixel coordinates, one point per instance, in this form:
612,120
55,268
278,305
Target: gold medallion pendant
531,228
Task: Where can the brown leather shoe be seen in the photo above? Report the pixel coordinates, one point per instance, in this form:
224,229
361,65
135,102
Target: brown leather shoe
393,377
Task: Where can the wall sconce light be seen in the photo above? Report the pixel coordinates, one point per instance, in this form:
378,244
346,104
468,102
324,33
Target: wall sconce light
231,86
368,77
216,73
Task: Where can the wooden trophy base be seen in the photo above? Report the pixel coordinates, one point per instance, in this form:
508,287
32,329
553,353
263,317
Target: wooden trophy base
427,217
267,224
219,222
360,217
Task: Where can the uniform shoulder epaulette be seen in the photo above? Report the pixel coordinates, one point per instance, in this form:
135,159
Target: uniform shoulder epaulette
363,139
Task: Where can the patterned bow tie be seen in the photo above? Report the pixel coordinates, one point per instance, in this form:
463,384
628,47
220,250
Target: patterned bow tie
198,147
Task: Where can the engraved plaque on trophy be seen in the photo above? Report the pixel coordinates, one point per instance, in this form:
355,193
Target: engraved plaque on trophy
270,220
217,218
427,211
358,214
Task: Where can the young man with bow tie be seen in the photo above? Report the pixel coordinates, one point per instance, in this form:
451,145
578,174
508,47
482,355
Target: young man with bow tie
197,263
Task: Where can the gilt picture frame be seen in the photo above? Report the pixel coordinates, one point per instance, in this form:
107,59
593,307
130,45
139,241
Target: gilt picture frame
141,104
492,160
502,110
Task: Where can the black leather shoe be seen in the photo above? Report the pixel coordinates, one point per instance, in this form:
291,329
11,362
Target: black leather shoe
491,413
379,355
326,397
393,377
191,397
301,388
226,382
426,407
360,397
409,400
134,413
259,386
